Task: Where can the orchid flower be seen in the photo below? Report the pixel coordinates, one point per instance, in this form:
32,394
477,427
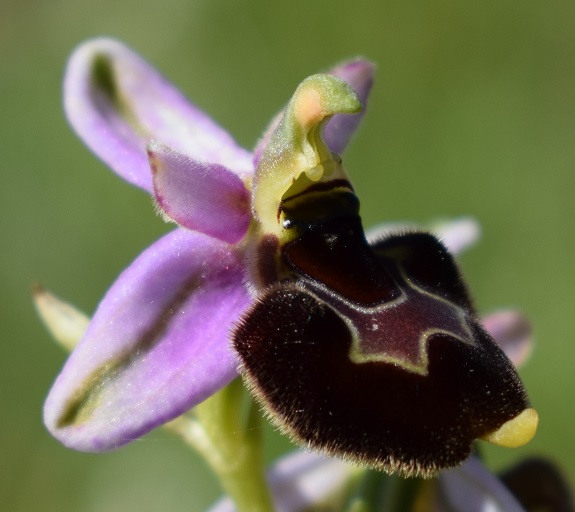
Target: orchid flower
367,350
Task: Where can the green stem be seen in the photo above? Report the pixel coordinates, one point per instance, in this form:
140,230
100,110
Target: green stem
231,443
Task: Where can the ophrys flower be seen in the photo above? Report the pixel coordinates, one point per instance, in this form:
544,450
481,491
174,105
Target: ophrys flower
368,350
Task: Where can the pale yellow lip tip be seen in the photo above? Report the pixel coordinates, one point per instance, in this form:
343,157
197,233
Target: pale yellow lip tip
517,431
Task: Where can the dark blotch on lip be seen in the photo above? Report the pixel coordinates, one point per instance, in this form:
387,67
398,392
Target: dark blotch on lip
295,351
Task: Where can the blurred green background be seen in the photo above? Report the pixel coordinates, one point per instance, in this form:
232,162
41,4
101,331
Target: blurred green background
473,113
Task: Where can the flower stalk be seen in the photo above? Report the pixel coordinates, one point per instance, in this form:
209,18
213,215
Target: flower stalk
226,430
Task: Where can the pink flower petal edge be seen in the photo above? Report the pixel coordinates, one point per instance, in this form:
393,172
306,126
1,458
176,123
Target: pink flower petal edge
117,102
207,198
157,345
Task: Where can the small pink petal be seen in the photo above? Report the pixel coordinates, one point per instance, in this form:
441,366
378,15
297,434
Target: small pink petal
157,345
512,331
203,197
117,102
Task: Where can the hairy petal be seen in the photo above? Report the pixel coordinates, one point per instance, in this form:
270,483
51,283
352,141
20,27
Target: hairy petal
117,102
512,331
157,345
208,198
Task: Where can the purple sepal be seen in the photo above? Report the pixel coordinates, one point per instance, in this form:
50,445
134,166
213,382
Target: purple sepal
208,198
117,102
156,347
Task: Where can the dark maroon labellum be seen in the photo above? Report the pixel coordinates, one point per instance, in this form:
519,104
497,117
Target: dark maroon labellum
374,353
